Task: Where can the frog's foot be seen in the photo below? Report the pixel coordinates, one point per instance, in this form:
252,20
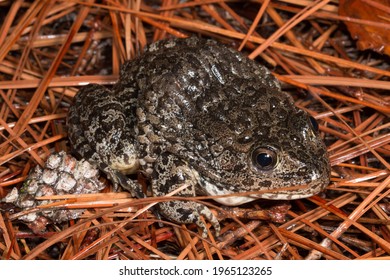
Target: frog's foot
131,186
169,174
119,179
135,189
187,212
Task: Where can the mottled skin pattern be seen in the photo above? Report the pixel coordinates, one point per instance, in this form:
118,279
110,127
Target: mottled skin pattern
194,112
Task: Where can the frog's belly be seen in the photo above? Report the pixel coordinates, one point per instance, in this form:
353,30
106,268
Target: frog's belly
234,200
228,200
126,166
212,190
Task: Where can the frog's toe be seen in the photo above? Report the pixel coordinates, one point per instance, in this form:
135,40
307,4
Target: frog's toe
206,212
188,212
133,187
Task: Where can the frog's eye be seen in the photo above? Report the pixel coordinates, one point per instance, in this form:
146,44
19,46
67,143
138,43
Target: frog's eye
314,123
264,158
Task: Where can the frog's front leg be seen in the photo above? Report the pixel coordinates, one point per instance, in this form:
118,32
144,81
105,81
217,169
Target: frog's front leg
169,174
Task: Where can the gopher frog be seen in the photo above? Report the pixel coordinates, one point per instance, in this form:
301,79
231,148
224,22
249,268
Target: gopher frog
193,112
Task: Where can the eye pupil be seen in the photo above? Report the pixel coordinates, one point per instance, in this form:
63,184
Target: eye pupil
264,159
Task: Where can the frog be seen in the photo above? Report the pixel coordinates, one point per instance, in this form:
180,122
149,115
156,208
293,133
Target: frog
198,115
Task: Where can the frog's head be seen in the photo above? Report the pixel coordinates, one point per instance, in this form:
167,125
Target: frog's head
273,148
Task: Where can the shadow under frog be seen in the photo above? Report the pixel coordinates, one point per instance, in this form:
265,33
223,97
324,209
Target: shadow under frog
194,112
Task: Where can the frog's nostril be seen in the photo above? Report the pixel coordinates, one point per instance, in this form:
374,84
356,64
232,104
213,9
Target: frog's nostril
314,123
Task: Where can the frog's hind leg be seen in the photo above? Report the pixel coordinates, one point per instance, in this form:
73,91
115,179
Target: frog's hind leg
100,132
171,173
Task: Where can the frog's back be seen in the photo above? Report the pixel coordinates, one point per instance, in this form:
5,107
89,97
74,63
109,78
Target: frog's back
193,87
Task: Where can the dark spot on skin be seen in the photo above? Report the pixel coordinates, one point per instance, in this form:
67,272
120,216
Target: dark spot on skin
248,182
265,184
184,212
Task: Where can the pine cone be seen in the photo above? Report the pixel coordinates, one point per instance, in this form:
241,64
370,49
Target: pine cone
62,174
